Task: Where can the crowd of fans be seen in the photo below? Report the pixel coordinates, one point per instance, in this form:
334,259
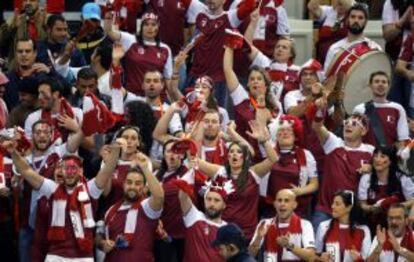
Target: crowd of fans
183,130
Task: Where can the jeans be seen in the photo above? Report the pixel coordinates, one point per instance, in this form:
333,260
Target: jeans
25,244
319,217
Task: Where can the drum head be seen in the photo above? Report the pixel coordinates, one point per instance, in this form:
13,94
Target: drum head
356,82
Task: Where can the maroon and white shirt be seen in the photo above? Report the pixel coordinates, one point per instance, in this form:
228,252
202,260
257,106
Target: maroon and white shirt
311,141
388,255
284,76
287,171
208,55
143,241
273,22
242,208
215,154
61,250
393,119
340,169
304,240
172,216
139,59
333,29
407,55
244,112
40,164
200,232
174,15
361,237
344,44
37,115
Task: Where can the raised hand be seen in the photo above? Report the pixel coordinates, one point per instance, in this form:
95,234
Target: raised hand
259,131
118,52
69,123
394,242
180,60
381,235
143,162
262,230
283,241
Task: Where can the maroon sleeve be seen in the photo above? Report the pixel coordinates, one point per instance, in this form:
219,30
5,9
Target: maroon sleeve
39,245
406,53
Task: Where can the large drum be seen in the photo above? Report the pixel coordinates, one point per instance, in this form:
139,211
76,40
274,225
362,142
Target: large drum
358,62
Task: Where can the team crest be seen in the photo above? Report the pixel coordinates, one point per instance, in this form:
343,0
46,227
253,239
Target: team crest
141,51
160,3
180,5
203,22
206,230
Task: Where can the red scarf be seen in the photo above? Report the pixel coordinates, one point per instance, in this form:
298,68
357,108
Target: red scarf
272,249
333,245
80,207
58,132
407,242
131,219
219,153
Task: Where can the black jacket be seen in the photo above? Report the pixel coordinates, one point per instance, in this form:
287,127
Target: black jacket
242,256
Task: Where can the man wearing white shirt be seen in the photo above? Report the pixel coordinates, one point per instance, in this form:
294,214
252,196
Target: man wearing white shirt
356,22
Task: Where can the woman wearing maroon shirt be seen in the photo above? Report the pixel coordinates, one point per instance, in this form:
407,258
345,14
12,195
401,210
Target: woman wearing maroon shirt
378,190
296,167
242,205
144,52
252,103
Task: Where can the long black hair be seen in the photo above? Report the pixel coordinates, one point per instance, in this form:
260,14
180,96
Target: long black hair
164,167
141,115
356,216
242,178
140,38
393,185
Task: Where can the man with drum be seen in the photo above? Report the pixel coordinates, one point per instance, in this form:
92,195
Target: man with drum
355,40
387,120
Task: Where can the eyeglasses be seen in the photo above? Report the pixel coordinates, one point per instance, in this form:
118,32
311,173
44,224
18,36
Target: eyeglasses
353,122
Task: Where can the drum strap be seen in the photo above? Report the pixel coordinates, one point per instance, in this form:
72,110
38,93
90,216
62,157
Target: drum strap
376,124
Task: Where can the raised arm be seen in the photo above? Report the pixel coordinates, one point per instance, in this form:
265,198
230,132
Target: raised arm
160,132
24,169
105,173
209,169
172,89
185,202
262,135
109,28
236,137
157,193
231,77
75,139
391,30
249,33
402,69
317,125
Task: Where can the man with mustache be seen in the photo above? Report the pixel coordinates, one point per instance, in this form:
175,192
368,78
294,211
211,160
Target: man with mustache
201,228
396,244
131,222
43,160
70,231
356,22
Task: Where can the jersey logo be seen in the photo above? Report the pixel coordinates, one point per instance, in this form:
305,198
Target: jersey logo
160,3
141,50
390,119
180,5
203,22
206,230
